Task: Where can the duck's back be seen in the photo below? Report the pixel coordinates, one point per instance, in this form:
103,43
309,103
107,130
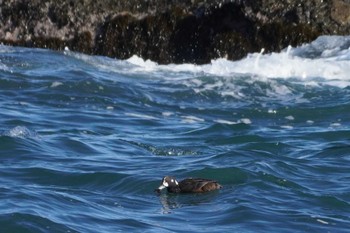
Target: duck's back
198,185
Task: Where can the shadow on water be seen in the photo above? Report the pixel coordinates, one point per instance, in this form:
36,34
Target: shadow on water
170,202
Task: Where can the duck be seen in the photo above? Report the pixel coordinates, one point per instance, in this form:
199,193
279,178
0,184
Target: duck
188,185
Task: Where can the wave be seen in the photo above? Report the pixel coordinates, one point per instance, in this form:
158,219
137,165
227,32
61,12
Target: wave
328,58
21,132
31,222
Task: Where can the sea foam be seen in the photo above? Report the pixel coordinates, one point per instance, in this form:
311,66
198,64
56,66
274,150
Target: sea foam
325,61
20,132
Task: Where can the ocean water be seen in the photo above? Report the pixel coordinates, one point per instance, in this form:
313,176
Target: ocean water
85,140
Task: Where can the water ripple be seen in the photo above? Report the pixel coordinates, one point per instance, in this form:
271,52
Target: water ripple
85,140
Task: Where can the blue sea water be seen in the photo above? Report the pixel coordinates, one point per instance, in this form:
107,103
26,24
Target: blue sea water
85,140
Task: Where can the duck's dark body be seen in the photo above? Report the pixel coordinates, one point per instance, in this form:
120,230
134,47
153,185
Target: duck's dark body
189,185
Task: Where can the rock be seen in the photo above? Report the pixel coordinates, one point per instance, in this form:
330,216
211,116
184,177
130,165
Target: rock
190,31
340,12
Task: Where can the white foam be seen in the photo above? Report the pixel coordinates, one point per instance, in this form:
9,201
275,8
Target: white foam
291,118
142,116
21,132
246,121
191,119
332,65
335,125
221,121
322,221
286,127
144,65
326,60
56,84
3,67
167,114
23,103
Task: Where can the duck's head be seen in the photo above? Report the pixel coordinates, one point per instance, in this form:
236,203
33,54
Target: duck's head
168,182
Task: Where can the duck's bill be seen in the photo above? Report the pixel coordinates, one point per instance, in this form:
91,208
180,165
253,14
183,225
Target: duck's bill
161,187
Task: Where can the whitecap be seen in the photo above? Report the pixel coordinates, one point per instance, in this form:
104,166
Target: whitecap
324,61
4,67
290,118
191,119
167,114
335,125
20,132
221,121
286,127
56,84
142,116
322,221
145,65
23,103
246,121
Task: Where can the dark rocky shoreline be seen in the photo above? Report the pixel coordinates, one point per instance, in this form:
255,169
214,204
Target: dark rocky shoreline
166,31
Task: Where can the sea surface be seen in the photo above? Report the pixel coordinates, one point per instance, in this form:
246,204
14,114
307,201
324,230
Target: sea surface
85,140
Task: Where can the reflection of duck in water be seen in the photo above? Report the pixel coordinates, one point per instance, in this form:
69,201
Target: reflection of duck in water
189,185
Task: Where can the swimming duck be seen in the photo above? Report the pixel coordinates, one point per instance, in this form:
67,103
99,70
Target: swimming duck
189,185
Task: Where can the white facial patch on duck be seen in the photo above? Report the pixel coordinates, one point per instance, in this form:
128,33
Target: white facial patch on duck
174,181
165,184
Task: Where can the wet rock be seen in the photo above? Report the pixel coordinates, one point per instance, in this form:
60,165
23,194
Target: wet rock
170,31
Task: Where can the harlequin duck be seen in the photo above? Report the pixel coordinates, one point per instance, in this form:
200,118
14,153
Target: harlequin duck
189,185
